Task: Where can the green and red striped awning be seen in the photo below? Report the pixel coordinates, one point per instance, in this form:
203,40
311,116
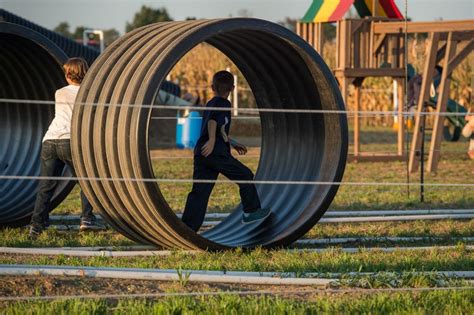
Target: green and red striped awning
333,10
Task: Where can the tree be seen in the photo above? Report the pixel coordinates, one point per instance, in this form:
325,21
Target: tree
246,13
148,15
63,29
289,23
110,36
78,33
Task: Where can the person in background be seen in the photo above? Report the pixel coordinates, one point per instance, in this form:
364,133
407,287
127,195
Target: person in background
56,151
468,132
212,155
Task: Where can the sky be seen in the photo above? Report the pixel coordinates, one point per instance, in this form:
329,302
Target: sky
105,14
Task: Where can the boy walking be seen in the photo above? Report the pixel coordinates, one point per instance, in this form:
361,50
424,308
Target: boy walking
212,155
56,150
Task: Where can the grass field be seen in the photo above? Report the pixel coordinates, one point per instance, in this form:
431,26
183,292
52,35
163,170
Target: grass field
454,168
393,269
443,302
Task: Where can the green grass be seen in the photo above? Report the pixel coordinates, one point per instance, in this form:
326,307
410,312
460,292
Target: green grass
15,237
439,302
443,229
334,260
454,167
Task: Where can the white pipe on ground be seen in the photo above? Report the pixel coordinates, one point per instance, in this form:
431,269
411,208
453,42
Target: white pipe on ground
345,219
361,239
360,213
398,218
356,213
208,276
160,275
144,253
323,241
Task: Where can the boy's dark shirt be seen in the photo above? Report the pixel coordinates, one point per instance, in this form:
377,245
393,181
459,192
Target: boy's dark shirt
223,118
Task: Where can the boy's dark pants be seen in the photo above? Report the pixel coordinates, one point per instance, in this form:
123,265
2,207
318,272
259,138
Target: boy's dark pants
208,168
55,154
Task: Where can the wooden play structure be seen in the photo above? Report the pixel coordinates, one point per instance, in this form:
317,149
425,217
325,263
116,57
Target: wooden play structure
374,46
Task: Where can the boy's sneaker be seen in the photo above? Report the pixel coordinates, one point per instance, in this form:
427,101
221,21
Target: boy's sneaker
88,224
258,215
35,231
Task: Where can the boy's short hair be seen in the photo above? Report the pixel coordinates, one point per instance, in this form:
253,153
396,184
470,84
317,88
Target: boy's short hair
75,69
223,81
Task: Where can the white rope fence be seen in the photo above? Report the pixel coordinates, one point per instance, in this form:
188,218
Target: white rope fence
242,110
258,182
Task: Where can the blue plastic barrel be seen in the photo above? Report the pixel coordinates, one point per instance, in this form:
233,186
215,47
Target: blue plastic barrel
188,130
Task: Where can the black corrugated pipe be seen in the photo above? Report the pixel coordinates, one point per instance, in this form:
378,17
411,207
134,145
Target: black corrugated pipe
71,47
283,71
31,69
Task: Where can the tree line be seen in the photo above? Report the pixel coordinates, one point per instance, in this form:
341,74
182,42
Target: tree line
148,15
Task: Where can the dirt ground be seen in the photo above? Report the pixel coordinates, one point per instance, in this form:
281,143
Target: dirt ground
69,286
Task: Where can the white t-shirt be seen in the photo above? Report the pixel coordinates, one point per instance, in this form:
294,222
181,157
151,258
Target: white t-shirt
60,127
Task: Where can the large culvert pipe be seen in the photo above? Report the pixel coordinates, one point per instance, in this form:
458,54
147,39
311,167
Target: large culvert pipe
30,69
282,70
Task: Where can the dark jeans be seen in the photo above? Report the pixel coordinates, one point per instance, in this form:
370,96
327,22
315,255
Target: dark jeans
208,169
55,154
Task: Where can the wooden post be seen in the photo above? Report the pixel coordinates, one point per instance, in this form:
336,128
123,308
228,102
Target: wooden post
374,7
338,44
401,118
320,39
344,45
441,106
344,82
304,31
348,57
356,48
424,96
371,46
357,97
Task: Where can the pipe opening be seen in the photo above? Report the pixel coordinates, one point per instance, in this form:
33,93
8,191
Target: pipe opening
282,70
29,69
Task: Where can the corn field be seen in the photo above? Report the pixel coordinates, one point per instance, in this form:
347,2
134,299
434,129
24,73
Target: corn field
194,74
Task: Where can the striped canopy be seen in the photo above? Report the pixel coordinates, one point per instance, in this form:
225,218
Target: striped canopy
333,10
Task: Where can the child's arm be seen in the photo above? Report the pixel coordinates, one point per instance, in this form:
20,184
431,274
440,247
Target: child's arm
240,148
208,147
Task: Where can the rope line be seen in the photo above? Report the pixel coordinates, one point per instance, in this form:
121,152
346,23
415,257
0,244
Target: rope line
209,181
246,110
